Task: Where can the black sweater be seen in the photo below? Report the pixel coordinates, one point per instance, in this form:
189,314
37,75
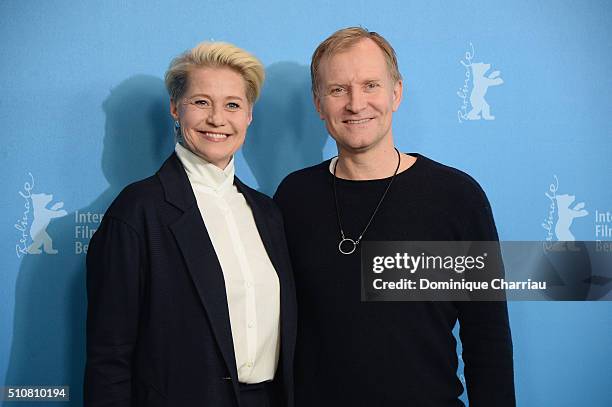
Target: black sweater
353,353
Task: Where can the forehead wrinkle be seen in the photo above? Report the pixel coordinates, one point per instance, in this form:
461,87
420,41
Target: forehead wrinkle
226,82
354,73
217,87
363,59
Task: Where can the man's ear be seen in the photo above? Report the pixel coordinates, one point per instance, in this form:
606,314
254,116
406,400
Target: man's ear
398,90
317,103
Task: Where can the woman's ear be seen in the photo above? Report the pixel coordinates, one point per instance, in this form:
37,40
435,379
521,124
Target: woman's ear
250,115
174,109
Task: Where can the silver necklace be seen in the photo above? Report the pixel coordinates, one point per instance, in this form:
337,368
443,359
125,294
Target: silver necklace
348,241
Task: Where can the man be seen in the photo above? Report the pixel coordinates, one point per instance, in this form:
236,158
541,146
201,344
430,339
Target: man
353,353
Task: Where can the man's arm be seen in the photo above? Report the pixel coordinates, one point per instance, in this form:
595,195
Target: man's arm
485,333
113,291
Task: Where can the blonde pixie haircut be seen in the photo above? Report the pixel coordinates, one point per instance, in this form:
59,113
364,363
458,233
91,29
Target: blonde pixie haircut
215,55
344,39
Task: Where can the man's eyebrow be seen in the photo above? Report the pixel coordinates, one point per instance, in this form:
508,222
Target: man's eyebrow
368,80
371,80
332,84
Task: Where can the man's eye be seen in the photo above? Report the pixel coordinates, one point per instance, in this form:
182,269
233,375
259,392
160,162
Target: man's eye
337,91
200,102
372,85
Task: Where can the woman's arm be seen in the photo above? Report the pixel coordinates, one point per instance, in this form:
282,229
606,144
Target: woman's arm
113,292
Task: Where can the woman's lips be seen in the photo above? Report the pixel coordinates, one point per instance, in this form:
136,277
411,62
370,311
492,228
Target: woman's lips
215,137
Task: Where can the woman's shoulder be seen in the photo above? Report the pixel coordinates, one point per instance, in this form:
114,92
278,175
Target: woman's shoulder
136,198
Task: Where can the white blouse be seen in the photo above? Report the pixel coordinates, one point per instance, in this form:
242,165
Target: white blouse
251,282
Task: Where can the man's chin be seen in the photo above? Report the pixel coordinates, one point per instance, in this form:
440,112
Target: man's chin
357,147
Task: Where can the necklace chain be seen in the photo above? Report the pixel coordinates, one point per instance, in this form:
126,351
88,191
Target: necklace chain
343,237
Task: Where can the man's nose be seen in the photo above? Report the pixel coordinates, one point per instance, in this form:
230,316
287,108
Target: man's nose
356,102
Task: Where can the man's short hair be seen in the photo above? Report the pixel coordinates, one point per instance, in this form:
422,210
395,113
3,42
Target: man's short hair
215,55
344,39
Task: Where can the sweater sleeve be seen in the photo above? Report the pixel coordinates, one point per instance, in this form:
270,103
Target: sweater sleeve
485,332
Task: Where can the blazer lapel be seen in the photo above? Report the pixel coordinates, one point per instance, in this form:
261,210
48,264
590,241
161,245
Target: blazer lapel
199,254
261,221
280,261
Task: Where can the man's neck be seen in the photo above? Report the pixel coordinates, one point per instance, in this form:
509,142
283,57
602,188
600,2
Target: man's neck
371,164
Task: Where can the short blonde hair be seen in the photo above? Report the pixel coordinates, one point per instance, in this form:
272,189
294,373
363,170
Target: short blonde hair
344,39
215,55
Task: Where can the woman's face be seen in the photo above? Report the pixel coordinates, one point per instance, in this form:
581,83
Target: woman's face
214,114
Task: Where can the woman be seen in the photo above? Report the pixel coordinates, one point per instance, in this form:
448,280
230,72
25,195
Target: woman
191,299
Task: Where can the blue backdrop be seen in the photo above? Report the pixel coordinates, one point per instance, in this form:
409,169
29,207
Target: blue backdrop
518,94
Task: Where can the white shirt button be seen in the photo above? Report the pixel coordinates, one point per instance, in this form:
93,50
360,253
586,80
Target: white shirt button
249,284
251,325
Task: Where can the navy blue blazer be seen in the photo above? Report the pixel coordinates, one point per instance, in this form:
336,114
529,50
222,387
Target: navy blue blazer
158,328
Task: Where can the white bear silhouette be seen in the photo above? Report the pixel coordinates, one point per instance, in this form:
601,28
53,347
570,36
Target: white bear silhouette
481,84
567,216
42,217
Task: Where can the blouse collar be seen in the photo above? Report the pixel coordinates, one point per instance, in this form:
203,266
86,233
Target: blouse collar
201,173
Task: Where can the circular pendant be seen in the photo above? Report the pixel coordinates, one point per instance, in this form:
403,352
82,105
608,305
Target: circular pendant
349,246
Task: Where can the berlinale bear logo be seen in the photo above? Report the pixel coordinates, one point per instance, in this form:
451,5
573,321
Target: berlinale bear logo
567,216
481,85
35,219
476,75
561,206
42,217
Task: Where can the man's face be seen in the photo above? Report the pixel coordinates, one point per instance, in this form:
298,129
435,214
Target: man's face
357,97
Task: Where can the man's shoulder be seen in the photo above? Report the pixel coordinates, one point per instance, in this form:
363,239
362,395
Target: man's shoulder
452,181
300,179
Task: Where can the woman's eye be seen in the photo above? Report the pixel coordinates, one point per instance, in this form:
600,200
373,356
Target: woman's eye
233,106
200,102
